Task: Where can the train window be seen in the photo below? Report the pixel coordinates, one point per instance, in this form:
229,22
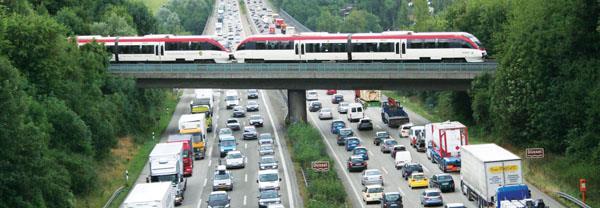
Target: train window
196,46
241,47
339,47
371,47
110,49
147,49
290,45
260,45
273,45
325,48
415,43
175,46
443,43
465,44
386,47
129,49
358,47
429,43
312,47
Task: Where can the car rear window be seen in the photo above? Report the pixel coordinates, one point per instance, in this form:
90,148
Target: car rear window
375,190
434,193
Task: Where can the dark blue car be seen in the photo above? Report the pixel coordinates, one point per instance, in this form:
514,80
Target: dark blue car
352,143
361,151
336,126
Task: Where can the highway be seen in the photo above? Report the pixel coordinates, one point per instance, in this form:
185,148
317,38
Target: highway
393,181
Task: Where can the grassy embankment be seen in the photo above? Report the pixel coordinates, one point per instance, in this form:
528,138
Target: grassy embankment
542,173
324,189
126,156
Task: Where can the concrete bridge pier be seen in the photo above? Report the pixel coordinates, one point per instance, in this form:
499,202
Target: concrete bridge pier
296,105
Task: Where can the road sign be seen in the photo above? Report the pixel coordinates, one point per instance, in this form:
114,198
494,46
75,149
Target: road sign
534,153
322,166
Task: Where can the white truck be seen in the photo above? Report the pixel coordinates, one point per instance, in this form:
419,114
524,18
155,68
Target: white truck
444,142
157,195
491,174
192,123
166,165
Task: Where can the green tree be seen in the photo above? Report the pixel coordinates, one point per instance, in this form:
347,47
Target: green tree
328,22
114,24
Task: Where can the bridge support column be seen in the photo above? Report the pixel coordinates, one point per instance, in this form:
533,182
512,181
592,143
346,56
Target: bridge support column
296,105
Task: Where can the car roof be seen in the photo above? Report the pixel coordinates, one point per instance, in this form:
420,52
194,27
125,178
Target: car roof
218,192
417,173
373,186
267,156
267,172
443,174
431,190
372,170
356,157
386,193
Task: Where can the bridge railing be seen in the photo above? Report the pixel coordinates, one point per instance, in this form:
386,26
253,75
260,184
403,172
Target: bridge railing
303,67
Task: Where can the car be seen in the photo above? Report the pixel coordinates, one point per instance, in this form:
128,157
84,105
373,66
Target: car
342,134
218,199
391,199
331,92
266,149
362,152
233,124
268,197
417,180
222,179
443,181
268,162
265,138
343,107
314,106
431,197
268,179
380,136
256,120
409,168
371,176
355,112
356,163
365,124
238,111
397,148
387,145
402,157
227,143
337,125
372,193
454,205
252,93
235,159
337,98
225,131
249,133
251,106
325,113
405,129
312,95
351,143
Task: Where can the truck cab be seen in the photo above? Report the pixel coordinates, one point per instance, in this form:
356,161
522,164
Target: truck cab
227,144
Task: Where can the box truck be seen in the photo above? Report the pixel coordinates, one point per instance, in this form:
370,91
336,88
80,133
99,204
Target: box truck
195,124
156,195
166,165
188,154
203,102
445,140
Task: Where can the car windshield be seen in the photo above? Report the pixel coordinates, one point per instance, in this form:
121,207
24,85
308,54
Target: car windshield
418,177
267,160
357,159
225,131
360,151
353,141
444,178
339,124
228,143
316,104
365,121
217,197
383,134
252,90
266,147
249,129
268,194
255,117
374,173
391,142
415,168
223,176
238,108
232,121
345,132
252,103
344,104
392,197
325,110
433,193
268,177
230,98
234,156
375,190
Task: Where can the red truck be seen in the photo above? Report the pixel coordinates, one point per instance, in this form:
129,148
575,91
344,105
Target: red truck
279,22
188,154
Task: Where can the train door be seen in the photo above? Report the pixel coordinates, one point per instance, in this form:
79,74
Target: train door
159,51
298,50
400,48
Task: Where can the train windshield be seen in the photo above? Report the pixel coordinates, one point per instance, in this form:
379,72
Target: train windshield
475,40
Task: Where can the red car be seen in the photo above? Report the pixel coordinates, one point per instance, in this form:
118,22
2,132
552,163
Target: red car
331,92
356,163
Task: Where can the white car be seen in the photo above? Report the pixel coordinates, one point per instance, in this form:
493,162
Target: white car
355,112
312,95
256,120
268,179
372,193
343,107
265,138
233,124
405,129
325,113
371,176
222,179
235,159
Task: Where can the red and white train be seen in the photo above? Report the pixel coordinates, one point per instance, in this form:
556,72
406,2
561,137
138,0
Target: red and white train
392,46
162,48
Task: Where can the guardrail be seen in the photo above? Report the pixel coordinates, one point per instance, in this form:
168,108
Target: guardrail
114,195
308,67
573,199
299,26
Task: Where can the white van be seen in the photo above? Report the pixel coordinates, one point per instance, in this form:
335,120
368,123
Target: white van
312,95
231,99
405,129
402,157
355,112
268,180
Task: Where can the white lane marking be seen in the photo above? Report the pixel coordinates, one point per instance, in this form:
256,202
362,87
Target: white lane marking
199,202
370,153
425,169
246,177
378,126
245,200
245,145
337,159
209,162
384,170
285,170
401,192
205,181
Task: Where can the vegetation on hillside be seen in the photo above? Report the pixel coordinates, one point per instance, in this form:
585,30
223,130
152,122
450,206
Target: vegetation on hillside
183,16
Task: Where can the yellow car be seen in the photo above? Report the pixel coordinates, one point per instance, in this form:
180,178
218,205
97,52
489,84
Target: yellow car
417,180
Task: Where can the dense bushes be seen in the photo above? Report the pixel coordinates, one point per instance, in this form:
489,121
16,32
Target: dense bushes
324,189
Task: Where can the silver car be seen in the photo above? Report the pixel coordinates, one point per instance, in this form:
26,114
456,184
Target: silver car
266,149
235,159
256,120
325,113
268,197
252,106
249,133
268,162
343,107
387,145
233,124
265,138
371,176
222,179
